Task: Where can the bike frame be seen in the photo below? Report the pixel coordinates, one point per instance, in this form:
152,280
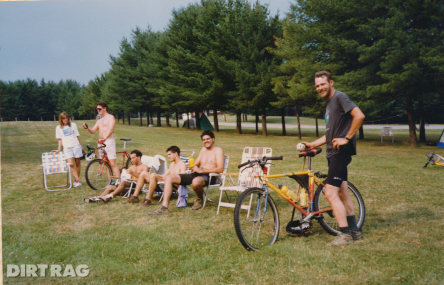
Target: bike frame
125,155
312,181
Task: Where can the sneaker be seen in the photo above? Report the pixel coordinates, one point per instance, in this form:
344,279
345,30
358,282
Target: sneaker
356,235
106,198
341,239
92,199
76,184
198,204
145,203
161,211
132,199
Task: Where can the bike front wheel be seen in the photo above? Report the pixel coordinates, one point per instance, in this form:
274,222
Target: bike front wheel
128,163
97,174
327,219
256,219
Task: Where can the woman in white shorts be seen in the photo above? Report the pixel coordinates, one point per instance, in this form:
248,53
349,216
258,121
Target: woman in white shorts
68,136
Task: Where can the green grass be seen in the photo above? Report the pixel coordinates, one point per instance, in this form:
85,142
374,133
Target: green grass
122,245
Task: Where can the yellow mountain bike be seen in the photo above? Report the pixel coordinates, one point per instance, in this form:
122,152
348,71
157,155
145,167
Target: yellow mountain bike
256,217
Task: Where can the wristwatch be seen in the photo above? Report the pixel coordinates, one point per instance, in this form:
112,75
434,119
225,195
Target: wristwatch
347,138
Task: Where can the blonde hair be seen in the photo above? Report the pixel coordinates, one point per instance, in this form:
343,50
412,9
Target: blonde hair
61,117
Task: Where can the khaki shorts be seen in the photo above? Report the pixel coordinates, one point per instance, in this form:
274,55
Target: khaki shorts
110,148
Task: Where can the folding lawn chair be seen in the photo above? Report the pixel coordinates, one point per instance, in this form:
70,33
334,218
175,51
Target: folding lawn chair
246,177
216,180
55,163
387,132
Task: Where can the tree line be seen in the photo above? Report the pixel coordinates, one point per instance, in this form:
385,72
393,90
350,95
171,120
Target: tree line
232,55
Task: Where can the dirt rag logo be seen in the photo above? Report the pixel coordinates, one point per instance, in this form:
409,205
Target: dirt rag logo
41,270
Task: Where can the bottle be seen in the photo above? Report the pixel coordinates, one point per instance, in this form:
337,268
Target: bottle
191,163
290,194
303,198
123,175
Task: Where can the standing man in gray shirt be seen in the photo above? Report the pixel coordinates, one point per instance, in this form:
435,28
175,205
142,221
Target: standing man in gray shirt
343,119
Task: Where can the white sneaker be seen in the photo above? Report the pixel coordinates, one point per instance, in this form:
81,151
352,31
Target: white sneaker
76,184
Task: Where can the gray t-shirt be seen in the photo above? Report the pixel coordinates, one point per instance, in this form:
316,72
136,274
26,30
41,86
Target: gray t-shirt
338,120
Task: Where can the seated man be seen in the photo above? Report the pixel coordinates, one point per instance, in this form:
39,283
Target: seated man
135,170
177,166
210,160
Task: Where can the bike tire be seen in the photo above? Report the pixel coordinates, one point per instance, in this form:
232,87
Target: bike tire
96,175
254,233
128,163
327,220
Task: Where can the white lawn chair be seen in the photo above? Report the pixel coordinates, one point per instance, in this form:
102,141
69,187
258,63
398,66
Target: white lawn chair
55,163
218,180
387,132
246,177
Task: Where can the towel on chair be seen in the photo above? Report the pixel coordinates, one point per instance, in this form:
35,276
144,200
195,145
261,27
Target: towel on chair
153,161
182,193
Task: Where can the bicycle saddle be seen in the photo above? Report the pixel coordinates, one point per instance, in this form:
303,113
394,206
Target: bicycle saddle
127,139
311,152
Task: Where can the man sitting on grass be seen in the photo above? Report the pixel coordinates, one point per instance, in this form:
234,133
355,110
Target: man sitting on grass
135,170
177,166
210,160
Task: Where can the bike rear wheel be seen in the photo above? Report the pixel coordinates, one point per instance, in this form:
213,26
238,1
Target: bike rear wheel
97,174
327,220
256,219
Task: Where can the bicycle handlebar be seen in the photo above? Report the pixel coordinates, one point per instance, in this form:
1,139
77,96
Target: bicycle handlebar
97,147
261,161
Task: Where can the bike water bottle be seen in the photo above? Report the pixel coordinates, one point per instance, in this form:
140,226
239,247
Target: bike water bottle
304,198
289,193
191,162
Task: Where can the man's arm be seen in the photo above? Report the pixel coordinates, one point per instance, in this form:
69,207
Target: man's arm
320,141
358,119
93,129
197,162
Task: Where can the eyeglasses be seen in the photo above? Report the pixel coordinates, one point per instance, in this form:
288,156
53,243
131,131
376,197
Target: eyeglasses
99,109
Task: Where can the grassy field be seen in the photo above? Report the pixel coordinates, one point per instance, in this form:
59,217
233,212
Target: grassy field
403,231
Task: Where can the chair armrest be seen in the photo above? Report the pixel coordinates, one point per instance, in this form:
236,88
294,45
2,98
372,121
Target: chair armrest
229,173
115,177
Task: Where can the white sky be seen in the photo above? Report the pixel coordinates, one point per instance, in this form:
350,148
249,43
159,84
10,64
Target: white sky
69,39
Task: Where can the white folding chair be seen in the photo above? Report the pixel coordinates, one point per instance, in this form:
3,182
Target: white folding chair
387,132
55,163
216,180
246,176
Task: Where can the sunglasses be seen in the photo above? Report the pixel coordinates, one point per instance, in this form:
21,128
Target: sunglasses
99,109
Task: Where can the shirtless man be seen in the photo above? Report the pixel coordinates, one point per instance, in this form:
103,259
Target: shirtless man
105,125
210,160
177,166
135,170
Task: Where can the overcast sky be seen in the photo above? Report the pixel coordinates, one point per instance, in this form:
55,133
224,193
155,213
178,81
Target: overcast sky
67,39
